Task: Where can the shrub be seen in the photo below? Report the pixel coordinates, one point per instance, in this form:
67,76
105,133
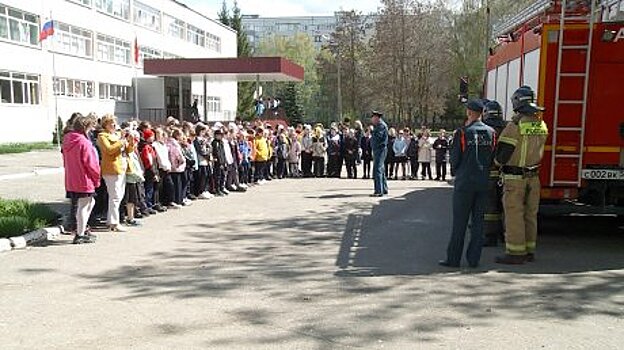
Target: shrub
20,216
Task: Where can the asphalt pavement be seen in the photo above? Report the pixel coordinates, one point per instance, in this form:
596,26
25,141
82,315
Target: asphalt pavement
308,264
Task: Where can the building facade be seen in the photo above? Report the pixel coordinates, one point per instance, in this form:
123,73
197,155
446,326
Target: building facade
319,28
88,65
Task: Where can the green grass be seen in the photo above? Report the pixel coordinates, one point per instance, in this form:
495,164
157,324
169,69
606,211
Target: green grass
7,148
20,216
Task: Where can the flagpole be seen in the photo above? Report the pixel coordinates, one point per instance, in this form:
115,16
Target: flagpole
59,130
136,78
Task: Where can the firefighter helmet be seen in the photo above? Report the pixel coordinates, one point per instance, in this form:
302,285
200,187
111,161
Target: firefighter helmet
523,101
493,110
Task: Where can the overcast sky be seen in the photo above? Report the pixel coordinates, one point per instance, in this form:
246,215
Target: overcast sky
280,8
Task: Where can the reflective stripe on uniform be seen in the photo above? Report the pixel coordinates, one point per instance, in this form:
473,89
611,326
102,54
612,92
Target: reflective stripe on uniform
512,177
533,128
530,246
508,140
523,151
492,217
515,249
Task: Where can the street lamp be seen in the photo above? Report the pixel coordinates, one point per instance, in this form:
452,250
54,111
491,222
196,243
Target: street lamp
333,44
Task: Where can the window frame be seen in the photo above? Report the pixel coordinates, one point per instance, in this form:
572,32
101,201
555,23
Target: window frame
115,92
156,13
21,23
115,48
99,6
26,83
68,36
73,88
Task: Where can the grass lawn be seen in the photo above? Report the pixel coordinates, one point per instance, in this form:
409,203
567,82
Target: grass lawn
20,216
6,148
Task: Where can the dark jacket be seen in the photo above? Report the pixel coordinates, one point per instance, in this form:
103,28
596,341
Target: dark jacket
441,146
218,152
367,150
379,141
350,148
472,153
412,149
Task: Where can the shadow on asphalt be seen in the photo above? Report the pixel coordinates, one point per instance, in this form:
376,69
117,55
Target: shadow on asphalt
285,273
408,235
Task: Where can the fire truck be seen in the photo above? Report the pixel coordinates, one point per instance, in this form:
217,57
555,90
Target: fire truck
572,54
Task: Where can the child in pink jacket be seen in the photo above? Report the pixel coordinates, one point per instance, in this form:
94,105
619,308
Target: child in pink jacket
82,173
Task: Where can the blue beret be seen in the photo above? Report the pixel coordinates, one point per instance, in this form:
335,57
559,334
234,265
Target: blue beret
475,105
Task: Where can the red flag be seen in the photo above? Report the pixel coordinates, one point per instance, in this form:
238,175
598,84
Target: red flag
136,51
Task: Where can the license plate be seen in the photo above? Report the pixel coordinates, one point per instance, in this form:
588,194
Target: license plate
603,174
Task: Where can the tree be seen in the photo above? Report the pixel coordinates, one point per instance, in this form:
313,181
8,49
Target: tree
246,90
299,49
224,14
292,104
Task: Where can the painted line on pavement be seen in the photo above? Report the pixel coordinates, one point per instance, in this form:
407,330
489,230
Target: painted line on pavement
36,172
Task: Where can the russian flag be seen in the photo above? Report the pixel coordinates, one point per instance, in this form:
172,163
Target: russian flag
47,30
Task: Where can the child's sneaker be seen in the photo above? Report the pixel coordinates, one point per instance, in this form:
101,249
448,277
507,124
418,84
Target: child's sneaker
174,206
83,240
186,202
133,223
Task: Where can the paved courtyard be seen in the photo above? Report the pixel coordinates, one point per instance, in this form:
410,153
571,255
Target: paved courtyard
308,264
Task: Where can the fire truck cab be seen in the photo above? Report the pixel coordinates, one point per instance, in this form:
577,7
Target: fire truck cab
572,54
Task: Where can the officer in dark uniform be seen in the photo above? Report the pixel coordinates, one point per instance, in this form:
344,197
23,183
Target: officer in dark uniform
493,220
379,144
471,155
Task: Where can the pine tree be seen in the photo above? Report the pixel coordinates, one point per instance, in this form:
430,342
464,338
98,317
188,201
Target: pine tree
292,104
224,14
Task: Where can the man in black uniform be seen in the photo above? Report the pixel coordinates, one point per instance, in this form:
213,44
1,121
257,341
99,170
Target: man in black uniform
471,155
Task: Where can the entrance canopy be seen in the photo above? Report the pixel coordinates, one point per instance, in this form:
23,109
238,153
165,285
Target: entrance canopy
227,69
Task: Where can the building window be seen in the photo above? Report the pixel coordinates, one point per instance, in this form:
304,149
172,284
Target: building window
19,26
73,40
19,88
149,53
73,88
116,8
214,104
175,27
213,42
115,92
114,50
146,16
196,36
82,2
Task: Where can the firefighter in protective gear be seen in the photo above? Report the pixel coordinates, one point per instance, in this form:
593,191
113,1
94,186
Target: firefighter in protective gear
493,227
519,153
472,153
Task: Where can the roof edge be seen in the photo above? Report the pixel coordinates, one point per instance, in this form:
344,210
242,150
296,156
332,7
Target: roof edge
178,2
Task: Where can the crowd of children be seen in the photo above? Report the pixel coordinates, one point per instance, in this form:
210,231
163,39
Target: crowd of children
137,169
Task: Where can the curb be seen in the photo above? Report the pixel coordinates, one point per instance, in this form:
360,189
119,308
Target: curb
30,238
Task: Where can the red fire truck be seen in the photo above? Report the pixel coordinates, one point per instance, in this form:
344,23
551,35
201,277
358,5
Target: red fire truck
572,54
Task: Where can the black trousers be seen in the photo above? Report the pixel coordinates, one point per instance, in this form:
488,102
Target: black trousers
178,187
441,170
366,165
306,164
351,167
200,185
166,188
334,166
426,170
260,171
319,166
414,165
218,176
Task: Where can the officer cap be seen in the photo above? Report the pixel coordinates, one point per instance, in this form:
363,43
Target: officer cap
376,113
475,105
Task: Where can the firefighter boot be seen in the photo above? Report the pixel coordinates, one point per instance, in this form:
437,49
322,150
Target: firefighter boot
508,259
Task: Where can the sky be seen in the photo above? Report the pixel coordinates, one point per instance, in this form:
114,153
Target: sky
281,8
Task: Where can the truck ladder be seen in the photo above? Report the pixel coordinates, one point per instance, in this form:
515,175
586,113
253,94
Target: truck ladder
585,49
